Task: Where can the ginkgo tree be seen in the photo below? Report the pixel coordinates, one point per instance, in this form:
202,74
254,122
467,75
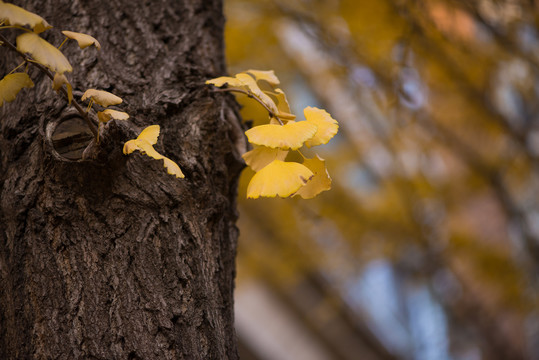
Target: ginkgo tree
281,135
272,142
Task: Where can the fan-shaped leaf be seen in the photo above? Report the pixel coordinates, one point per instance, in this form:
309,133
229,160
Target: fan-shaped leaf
268,75
57,83
250,84
173,168
279,98
327,126
279,178
109,114
245,82
15,15
144,142
226,80
101,97
83,40
43,52
289,136
150,134
320,181
11,84
261,156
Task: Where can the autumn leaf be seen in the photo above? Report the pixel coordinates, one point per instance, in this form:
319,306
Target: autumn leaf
15,15
225,80
57,83
109,114
261,156
150,134
279,98
327,126
101,97
279,178
43,52
320,181
144,143
83,40
248,84
11,84
253,88
267,75
288,136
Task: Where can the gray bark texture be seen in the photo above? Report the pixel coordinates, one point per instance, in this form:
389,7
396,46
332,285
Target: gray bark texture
111,257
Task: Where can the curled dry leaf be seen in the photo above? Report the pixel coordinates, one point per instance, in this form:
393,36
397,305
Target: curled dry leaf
279,178
57,83
15,15
43,52
11,84
289,136
83,40
101,97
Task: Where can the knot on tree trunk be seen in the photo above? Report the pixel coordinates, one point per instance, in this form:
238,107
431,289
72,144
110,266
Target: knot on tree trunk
70,140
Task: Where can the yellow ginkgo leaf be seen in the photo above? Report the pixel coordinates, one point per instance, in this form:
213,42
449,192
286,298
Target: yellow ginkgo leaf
11,84
101,97
43,52
327,126
225,80
150,134
268,75
173,168
83,40
253,88
261,156
14,15
279,178
320,181
144,142
289,136
59,81
279,98
109,114
245,82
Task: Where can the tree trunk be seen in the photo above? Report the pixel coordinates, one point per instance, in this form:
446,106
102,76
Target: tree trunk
111,257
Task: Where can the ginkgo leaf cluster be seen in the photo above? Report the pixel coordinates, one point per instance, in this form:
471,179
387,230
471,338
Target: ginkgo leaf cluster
38,50
48,57
274,176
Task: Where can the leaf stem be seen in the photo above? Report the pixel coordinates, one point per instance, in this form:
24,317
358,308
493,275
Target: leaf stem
18,66
48,73
251,95
63,42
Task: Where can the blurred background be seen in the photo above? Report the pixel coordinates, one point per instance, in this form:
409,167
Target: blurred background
427,246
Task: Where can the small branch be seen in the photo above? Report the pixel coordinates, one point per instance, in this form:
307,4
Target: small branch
251,95
47,72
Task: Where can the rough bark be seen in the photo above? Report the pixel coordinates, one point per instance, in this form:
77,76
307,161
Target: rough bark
111,257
